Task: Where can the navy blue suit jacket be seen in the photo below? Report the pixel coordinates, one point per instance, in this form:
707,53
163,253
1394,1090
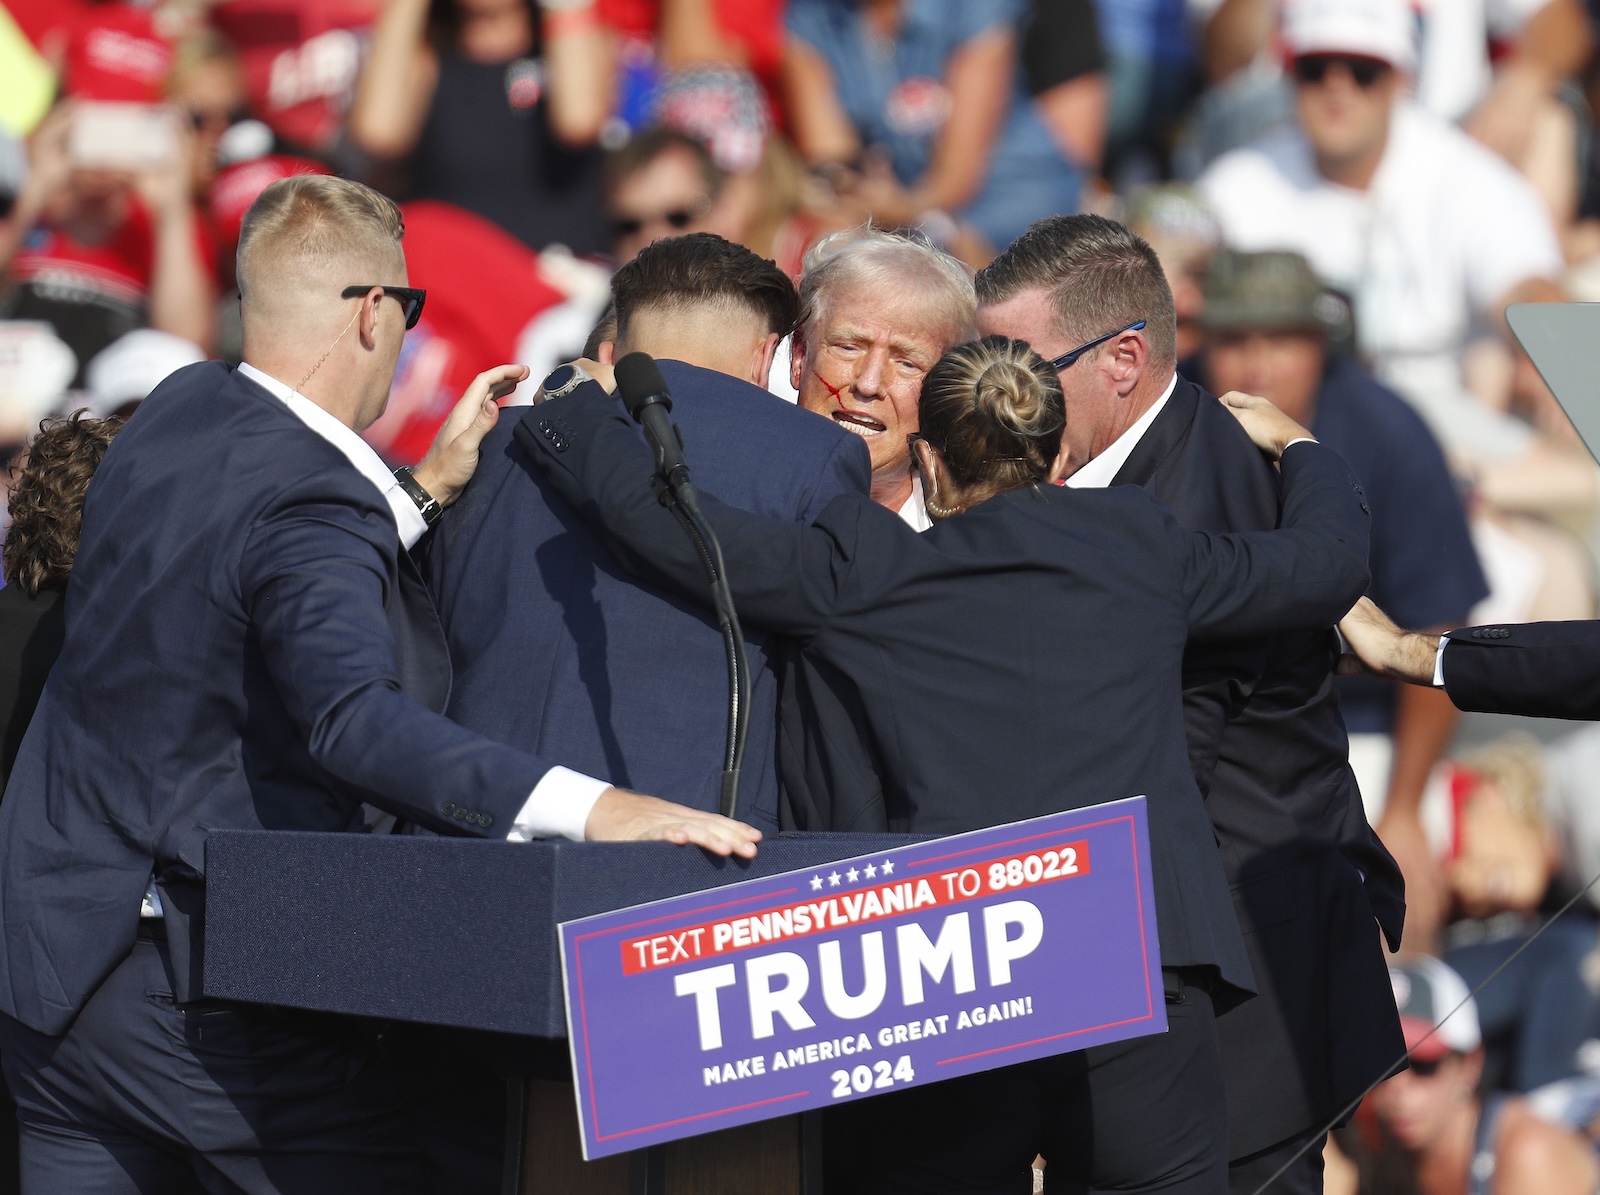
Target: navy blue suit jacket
1537,669
247,647
1270,752
1022,658
557,650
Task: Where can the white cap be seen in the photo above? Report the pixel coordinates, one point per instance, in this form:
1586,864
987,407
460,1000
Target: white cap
131,366
1381,29
1437,1012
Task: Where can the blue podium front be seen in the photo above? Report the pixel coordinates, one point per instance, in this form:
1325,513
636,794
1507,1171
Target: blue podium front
462,933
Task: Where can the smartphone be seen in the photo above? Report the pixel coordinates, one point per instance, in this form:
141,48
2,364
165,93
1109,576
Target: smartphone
111,136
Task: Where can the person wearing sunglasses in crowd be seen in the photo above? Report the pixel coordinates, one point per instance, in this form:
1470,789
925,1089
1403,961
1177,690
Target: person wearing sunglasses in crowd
1020,657
662,183
1430,1129
1266,743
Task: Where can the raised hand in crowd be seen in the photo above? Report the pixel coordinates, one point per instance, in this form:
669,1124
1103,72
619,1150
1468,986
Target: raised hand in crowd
180,285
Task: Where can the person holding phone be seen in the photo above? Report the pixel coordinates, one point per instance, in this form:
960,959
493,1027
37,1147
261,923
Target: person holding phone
103,238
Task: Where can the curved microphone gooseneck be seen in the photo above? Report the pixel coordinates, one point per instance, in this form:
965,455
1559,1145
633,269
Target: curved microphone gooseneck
644,392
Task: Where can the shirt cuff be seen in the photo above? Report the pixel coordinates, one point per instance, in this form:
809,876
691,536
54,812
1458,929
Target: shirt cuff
1438,662
1301,440
558,807
407,518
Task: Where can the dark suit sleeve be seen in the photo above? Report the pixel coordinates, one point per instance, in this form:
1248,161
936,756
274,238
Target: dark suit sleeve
785,577
1305,575
314,577
848,470
1539,669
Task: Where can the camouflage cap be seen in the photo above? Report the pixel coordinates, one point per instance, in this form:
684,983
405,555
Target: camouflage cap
1273,291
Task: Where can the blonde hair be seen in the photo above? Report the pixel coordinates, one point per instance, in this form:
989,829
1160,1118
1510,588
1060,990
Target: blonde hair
866,256
310,223
994,409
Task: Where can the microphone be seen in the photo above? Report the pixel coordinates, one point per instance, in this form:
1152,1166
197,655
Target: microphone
649,402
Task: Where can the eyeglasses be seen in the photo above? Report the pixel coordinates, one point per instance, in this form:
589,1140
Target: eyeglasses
202,117
411,298
1067,359
1314,68
678,218
1427,1068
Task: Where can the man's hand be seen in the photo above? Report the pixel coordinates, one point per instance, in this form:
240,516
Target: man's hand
1268,428
600,372
453,458
622,816
1381,647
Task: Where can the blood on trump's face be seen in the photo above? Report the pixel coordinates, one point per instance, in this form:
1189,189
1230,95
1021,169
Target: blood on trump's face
862,367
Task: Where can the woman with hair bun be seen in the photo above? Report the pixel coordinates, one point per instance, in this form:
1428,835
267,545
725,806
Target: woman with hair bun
1021,657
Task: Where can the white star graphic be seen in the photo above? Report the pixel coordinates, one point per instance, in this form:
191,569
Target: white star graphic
870,871
852,875
816,883
834,879
888,867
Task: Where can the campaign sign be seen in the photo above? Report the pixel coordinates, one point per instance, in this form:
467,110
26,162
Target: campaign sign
873,974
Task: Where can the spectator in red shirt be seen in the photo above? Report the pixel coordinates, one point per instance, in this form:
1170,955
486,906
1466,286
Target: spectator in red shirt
99,252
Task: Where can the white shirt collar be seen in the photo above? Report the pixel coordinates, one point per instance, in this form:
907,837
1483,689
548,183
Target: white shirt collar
408,519
914,511
1103,469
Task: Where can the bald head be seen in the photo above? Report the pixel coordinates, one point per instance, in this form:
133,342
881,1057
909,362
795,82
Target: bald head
304,240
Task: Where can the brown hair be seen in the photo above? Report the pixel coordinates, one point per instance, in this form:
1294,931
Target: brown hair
641,151
994,409
1099,274
47,499
699,268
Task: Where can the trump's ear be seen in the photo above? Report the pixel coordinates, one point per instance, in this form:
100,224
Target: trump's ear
797,360
761,360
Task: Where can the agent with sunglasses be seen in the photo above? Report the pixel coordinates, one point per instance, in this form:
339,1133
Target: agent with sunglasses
1266,743
1021,657
249,646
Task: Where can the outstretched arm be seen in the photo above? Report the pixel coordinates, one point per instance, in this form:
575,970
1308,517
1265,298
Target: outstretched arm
784,576
1303,576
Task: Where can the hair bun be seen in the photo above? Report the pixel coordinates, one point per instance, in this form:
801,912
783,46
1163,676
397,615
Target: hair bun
1011,395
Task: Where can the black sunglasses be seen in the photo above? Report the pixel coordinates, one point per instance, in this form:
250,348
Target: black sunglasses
1313,68
411,298
678,218
1067,359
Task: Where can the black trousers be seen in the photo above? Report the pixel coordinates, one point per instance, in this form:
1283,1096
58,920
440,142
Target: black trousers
1248,1175
1147,1115
141,1097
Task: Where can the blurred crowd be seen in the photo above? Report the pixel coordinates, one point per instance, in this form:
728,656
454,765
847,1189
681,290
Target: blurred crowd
1345,197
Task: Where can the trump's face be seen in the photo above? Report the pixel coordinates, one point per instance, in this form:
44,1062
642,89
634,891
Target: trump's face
862,367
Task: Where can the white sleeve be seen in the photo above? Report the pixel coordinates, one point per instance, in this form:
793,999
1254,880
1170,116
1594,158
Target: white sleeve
406,516
1438,662
1509,234
558,807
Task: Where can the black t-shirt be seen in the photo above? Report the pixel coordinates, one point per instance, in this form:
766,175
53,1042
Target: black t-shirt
1060,41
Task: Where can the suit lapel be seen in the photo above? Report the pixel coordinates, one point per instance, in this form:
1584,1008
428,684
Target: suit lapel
1164,435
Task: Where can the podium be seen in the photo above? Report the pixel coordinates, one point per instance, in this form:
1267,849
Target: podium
462,933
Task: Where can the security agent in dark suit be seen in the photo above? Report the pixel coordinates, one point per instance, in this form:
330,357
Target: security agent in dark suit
1538,669
1266,742
992,703
630,681
248,645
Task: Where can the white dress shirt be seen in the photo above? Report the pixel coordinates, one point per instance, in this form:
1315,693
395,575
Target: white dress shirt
1098,473
915,512
560,803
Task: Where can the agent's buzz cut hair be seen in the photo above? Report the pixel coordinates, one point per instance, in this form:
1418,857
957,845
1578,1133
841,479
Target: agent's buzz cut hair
308,224
1099,274
864,256
679,273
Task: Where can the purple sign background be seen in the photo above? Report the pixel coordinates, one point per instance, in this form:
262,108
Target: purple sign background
904,967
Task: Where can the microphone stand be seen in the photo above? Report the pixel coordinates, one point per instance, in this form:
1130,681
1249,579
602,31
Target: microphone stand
680,498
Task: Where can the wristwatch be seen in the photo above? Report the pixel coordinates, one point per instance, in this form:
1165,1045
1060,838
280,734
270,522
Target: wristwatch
427,505
563,380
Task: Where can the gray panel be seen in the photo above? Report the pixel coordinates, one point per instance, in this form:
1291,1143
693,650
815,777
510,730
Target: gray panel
1563,341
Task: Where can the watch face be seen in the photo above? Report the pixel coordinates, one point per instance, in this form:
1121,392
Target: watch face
558,378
